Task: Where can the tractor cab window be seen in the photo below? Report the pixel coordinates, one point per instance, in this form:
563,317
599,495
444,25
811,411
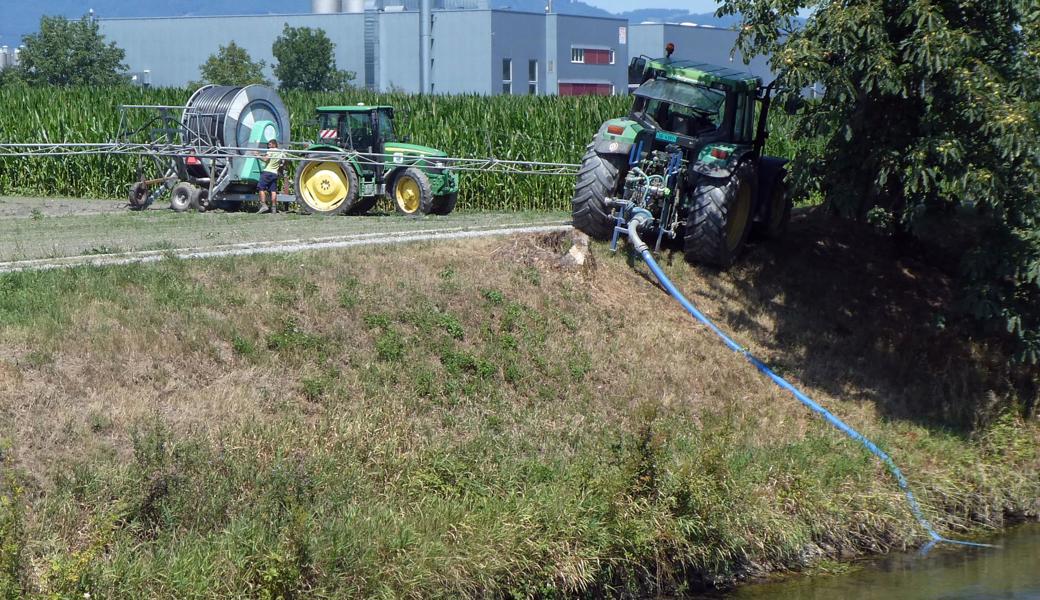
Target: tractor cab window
350,129
386,126
682,108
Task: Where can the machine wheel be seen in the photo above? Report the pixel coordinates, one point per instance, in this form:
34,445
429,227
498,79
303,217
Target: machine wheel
363,205
326,186
181,197
444,205
139,196
719,218
597,180
412,193
780,204
200,199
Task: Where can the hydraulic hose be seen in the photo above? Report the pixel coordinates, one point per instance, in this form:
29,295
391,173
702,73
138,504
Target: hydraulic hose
639,217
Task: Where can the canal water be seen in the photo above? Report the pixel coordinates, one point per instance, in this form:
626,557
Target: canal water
1011,572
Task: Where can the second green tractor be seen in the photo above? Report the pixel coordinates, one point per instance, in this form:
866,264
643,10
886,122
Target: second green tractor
358,159
690,152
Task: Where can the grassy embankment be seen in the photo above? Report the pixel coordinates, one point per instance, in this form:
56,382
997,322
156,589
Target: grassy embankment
533,128
318,426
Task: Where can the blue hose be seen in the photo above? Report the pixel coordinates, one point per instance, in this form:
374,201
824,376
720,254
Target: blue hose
639,217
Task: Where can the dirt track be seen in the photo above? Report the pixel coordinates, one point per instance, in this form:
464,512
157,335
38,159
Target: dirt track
34,229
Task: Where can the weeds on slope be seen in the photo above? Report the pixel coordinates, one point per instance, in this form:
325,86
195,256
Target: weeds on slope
320,426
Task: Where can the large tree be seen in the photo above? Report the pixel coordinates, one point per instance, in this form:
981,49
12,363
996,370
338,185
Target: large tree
232,65
928,104
307,61
68,53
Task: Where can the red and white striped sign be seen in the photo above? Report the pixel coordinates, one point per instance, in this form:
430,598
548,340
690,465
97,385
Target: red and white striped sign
327,134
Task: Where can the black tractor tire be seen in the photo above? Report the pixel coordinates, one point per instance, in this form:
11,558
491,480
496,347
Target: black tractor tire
139,193
412,193
350,179
363,205
598,179
719,219
181,197
445,205
778,216
200,199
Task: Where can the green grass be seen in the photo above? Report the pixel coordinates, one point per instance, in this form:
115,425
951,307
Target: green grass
477,429
535,128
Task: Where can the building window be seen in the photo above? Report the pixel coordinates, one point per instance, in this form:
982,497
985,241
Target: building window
507,76
532,77
586,89
588,56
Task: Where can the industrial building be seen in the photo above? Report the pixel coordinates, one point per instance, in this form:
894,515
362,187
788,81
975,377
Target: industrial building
9,57
472,48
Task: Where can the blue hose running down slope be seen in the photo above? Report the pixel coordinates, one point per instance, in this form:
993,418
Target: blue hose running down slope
639,217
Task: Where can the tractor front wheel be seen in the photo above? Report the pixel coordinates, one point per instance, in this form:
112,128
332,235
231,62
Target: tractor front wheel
181,197
444,205
326,186
597,180
412,192
719,218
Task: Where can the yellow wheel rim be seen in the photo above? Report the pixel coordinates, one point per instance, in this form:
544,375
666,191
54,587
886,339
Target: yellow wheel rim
739,214
408,195
324,186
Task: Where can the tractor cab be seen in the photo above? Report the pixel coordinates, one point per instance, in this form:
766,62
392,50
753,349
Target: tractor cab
360,128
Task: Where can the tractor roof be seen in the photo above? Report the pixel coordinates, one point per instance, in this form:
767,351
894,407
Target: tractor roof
710,75
359,108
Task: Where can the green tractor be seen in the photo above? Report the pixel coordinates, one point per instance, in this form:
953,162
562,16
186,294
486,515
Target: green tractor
359,159
690,152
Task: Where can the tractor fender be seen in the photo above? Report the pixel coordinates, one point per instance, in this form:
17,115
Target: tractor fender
771,171
720,160
607,147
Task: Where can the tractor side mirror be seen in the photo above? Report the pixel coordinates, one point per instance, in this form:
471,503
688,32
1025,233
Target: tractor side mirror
636,69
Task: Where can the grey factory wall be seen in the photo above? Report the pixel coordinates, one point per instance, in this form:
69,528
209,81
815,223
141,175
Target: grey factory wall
461,54
595,33
519,38
174,48
399,52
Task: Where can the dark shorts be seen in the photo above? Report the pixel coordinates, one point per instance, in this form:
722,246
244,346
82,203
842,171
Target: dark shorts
268,182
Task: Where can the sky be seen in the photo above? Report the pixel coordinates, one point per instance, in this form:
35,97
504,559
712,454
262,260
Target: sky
694,6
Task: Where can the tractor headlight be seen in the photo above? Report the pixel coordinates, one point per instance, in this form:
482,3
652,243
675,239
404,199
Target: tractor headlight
438,168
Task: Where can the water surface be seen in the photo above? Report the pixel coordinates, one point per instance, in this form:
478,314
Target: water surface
1011,572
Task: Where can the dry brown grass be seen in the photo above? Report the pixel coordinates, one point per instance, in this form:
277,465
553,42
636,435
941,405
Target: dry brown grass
434,381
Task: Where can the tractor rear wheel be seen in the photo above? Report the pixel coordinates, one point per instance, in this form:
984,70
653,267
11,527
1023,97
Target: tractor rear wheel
444,205
326,186
412,193
181,197
598,179
719,218
780,205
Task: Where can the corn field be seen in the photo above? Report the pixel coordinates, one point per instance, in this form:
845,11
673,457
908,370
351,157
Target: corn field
536,128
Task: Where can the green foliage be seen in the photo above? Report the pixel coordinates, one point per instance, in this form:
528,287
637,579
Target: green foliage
232,65
307,61
67,53
929,104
